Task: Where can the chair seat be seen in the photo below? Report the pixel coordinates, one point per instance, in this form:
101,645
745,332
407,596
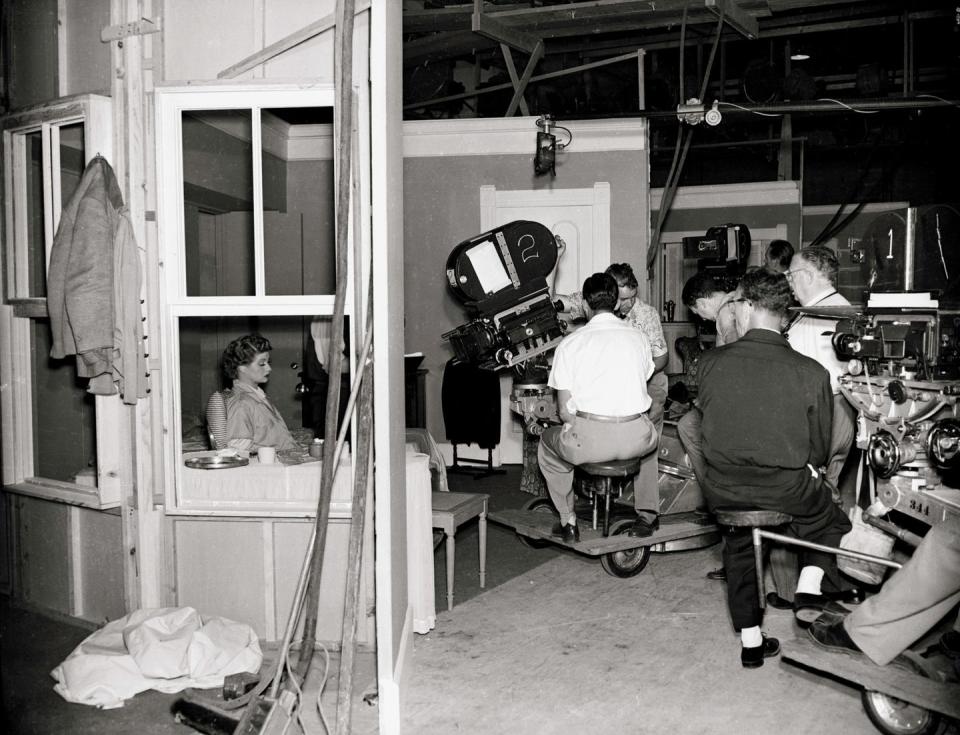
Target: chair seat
612,468
740,517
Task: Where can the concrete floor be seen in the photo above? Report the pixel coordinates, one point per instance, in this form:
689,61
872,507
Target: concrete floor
553,644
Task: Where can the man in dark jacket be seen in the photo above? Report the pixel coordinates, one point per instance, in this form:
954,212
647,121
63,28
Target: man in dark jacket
767,413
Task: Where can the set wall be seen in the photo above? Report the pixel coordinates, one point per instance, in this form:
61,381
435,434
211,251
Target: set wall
32,33
86,59
442,208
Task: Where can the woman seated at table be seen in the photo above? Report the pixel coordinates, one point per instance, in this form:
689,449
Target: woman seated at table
252,420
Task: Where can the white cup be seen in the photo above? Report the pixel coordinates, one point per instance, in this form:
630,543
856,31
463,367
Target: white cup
267,455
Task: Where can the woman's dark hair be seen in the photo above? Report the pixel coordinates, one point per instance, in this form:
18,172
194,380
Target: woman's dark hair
779,253
601,292
623,274
767,290
242,351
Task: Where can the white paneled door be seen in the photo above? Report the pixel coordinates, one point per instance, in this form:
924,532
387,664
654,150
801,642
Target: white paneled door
581,217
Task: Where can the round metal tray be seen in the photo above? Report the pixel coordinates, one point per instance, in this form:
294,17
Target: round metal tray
215,463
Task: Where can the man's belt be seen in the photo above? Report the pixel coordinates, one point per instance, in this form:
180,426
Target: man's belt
609,419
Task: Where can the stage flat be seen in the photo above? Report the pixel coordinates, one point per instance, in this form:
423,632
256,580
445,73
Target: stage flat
539,525
892,679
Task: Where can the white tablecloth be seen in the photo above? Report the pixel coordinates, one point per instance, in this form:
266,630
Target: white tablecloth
420,542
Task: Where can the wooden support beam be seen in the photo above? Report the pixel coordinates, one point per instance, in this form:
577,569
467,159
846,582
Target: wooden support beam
490,28
287,42
520,85
734,16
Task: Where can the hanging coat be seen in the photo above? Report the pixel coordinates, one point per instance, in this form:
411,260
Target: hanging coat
93,288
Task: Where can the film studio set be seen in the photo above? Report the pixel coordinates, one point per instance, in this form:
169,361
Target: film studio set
480,366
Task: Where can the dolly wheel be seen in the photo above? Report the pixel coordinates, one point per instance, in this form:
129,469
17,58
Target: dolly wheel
626,563
539,505
893,716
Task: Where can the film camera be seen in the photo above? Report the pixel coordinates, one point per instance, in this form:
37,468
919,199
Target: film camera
500,277
722,252
907,406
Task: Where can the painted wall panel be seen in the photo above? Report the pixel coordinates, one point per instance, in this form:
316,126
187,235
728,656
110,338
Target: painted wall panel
312,58
442,208
87,59
33,51
101,565
43,539
202,38
220,569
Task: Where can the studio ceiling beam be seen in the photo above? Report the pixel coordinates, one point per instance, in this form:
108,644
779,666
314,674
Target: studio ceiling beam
493,29
734,16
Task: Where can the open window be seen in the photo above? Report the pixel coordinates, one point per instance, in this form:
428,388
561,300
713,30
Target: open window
59,441
247,245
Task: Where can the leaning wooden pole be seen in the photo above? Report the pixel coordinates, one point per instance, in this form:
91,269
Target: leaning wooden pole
343,133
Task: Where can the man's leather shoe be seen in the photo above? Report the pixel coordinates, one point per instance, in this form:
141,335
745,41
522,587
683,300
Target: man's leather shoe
568,532
752,657
718,574
828,631
643,527
808,607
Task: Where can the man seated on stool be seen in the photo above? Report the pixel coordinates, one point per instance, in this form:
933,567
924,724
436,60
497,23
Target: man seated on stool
645,318
914,599
600,374
766,431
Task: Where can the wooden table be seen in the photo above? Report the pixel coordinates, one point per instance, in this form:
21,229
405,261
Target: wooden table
450,510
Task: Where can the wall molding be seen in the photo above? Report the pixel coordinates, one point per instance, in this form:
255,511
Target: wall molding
765,194
517,136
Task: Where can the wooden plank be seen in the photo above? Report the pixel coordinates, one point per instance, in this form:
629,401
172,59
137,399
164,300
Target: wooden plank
521,86
892,679
286,43
734,16
486,26
539,525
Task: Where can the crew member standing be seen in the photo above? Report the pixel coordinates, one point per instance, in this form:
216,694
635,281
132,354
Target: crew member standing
813,278
600,374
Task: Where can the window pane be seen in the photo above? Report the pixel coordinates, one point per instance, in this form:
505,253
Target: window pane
36,248
298,202
202,342
218,202
72,159
64,430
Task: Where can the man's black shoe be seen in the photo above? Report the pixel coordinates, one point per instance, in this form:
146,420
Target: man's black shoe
780,603
808,607
752,657
569,532
643,527
718,574
828,631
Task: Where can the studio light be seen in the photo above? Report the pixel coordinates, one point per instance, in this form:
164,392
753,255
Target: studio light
547,146
801,54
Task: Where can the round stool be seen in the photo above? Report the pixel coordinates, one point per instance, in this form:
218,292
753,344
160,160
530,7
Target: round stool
754,519
608,477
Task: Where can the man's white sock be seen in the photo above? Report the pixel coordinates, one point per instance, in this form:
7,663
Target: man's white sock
809,582
751,637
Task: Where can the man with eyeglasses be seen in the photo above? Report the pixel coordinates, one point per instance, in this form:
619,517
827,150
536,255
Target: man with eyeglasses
813,278
767,414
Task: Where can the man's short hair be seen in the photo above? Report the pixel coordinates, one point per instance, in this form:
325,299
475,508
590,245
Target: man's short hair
779,253
767,290
823,259
600,292
699,286
623,273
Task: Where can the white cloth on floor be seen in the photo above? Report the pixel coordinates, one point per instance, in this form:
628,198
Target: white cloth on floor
167,649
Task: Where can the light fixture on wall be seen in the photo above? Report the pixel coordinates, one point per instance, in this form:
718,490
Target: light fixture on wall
800,54
547,146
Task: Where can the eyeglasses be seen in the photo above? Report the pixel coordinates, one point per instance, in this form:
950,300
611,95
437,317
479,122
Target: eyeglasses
731,302
791,274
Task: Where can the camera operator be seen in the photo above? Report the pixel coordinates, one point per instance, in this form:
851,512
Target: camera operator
813,277
600,373
646,494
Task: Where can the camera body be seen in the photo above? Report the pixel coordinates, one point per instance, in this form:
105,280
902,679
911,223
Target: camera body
500,276
722,252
